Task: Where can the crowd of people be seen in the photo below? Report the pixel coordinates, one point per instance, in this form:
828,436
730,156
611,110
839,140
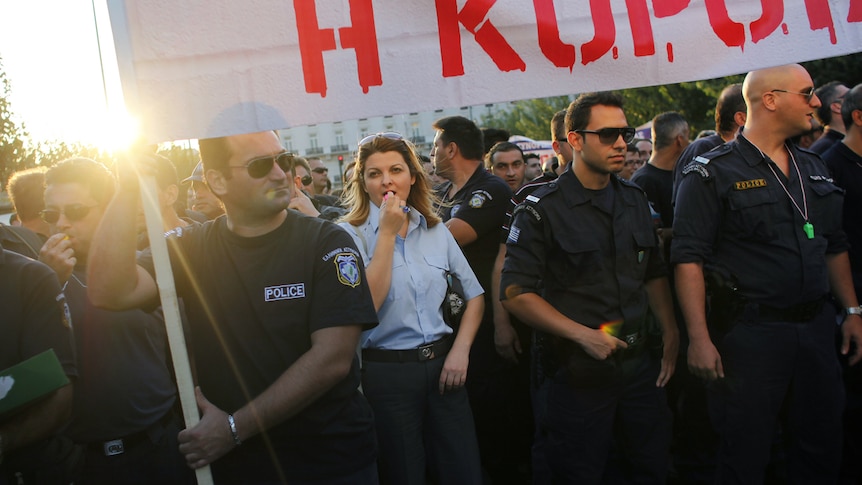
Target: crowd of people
632,311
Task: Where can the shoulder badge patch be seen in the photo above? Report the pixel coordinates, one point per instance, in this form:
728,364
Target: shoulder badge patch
477,200
64,307
696,167
749,184
348,269
454,210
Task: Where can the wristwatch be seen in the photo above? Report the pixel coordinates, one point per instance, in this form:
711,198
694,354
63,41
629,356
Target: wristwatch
853,310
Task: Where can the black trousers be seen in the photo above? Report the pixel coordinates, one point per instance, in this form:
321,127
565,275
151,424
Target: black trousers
779,374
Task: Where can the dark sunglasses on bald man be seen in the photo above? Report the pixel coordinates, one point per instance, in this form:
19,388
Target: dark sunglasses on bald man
73,212
608,136
391,135
259,168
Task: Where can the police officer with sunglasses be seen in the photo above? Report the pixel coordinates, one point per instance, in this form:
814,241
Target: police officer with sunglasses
276,302
583,266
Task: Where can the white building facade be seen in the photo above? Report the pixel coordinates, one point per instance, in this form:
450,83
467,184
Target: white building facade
336,143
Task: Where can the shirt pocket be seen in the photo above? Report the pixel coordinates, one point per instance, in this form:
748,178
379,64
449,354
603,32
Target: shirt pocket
826,207
580,262
753,214
644,243
434,277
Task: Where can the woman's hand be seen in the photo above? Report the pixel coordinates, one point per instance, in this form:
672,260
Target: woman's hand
392,213
454,373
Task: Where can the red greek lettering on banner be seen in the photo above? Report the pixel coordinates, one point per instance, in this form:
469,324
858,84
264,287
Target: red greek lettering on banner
361,36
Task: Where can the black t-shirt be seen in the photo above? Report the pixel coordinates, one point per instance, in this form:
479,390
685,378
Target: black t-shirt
846,168
658,185
124,382
825,142
35,316
253,304
482,203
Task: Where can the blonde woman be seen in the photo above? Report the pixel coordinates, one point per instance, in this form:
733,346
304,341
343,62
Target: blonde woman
414,365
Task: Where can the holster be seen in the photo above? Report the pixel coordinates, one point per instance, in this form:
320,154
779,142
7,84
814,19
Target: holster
724,303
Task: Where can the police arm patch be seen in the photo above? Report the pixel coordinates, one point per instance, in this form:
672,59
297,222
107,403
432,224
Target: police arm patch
347,269
696,167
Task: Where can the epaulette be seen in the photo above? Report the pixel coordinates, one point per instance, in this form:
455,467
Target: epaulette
700,162
531,201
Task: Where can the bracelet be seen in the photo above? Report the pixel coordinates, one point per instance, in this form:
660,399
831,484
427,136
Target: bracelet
232,423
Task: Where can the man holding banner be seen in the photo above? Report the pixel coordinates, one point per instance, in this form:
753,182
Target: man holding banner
274,357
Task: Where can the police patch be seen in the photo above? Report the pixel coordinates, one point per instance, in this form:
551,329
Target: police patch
67,313
348,269
749,184
477,201
696,167
454,210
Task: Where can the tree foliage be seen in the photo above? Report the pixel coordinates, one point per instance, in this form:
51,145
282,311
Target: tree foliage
694,100
13,151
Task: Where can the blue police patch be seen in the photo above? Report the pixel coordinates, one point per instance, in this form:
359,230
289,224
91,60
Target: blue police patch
348,269
454,210
477,201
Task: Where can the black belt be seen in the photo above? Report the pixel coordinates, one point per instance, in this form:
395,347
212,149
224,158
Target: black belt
801,312
426,352
118,446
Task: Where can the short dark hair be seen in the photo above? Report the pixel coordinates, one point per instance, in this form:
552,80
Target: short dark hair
852,102
492,136
578,113
501,146
91,174
631,148
667,126
730,102
828,94
26,190
166,172
558,126
530,155
462,132
215,154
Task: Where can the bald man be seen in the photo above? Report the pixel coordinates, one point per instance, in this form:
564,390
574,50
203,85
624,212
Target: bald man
761,219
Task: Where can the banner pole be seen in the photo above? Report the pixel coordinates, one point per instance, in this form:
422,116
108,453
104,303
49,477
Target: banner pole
171,310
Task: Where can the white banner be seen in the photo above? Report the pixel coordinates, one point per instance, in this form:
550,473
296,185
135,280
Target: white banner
203,68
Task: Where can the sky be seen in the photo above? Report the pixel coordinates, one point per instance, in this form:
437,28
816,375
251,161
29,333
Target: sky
50,54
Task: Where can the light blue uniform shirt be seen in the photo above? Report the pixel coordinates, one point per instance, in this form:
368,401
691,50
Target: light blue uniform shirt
411,315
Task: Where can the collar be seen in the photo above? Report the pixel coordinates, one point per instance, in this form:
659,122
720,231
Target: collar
753,156
574,193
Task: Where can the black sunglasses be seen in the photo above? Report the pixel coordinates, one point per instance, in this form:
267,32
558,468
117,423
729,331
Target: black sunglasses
390,135
259,168
73,212
808,94
320,170
607,136
306,180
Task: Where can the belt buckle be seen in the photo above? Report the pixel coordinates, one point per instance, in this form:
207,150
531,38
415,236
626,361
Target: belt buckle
426,352
113,447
